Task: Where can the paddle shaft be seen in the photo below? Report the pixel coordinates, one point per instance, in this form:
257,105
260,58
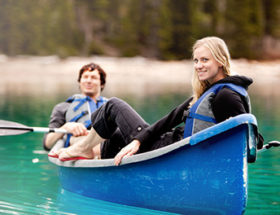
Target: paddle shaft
14,128
36,129
46,130
271,144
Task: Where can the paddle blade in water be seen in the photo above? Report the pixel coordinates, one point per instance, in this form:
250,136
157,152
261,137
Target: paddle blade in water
12,128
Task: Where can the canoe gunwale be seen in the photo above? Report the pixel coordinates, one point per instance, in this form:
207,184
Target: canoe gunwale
197,138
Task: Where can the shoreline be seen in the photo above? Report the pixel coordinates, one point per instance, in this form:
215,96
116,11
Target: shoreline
138,76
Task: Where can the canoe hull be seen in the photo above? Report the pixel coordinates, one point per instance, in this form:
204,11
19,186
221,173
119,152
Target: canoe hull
209,177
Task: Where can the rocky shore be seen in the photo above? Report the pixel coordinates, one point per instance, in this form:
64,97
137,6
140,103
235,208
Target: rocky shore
139,76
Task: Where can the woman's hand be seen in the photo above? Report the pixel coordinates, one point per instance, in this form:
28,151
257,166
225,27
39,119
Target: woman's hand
77,129
128,150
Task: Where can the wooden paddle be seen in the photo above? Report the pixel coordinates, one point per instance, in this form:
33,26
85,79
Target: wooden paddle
13,128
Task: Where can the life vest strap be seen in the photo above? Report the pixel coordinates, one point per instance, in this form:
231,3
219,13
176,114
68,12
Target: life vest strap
87,123
67,142
202,117
81,102
76,118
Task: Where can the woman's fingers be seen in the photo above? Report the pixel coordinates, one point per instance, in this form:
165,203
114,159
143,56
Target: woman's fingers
118,158
129,150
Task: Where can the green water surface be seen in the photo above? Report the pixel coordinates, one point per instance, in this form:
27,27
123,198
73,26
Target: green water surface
30,184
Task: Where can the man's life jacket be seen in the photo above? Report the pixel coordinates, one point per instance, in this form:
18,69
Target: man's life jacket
200,116
81,109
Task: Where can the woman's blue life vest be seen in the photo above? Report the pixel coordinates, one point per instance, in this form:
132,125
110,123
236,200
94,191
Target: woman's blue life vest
200,116
80,110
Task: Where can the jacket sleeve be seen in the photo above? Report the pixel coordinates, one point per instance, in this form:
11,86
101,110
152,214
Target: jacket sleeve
174,118
57,118
58,115
228,103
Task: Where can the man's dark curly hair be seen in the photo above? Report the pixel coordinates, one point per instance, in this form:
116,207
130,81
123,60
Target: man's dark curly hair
91,67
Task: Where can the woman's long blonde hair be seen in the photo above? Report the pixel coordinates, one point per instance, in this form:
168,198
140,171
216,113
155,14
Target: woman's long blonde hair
219,50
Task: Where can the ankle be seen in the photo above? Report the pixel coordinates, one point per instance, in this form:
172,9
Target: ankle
96,151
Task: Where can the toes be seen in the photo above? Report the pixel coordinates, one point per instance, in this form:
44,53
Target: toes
65,154
60,151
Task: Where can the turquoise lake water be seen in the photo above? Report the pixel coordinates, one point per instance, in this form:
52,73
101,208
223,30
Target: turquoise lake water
30,184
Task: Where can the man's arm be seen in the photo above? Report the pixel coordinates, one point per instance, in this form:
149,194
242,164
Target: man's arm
57,120
77,129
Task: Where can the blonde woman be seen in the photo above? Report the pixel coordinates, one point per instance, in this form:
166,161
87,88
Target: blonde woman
217,96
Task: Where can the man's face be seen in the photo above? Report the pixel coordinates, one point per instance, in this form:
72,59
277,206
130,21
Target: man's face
90,84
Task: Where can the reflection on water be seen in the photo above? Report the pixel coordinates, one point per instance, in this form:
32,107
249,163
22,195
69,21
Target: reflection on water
29,183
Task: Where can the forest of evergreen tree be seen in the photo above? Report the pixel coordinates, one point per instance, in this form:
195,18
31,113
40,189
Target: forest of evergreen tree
160,29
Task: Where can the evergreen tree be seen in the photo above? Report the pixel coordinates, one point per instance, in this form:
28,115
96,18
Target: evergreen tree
244,20
38,27
272,17
184,27
164,29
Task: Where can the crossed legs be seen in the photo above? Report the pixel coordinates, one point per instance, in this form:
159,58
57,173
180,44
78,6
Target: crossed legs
84,147
112,116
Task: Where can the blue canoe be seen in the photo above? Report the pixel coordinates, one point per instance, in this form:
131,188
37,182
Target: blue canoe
203,174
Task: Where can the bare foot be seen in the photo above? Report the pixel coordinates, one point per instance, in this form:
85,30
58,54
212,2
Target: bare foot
74,140
96,152
83,148
75,151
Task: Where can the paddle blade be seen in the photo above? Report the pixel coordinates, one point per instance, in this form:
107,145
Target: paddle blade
12,128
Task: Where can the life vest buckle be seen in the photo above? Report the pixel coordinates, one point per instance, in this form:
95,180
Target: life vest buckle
186,114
